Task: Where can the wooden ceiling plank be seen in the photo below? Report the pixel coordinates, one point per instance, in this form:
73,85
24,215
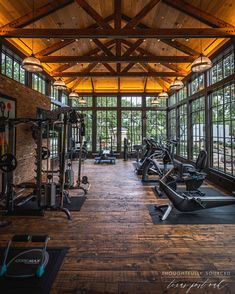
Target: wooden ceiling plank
103,47
198,14
109,68
117,14
128,67
37,14
61,44
148,73
175,44
113,59
133,47
89,53
161,33
88,69
142,14
90,11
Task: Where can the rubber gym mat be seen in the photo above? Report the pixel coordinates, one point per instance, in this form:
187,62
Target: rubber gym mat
34,285
76,203
218,215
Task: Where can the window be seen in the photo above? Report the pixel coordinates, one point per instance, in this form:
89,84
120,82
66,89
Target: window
222,68
198,126
106,130
172,124
183,131
54,93
89,102
172,100
149,99
88,128
54,134
156,124
132,127
182,94
11,65
64,98
196,85
106,101
39,83
131,101
223,129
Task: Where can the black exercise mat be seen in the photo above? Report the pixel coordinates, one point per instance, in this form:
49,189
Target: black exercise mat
76,203
219,215
34,285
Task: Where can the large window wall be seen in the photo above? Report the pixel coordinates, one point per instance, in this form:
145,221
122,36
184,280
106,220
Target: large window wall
223,129
197,126
156,124
202,115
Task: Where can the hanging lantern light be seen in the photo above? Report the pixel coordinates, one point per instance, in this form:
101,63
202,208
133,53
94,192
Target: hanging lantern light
176,85
59,84
32,64
73,95
163,95
82,101
155,102
201,64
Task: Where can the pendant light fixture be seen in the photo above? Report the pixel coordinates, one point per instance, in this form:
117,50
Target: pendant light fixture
82,101
155,102
59,84
31,63
176,84
73,95
163,94
202,63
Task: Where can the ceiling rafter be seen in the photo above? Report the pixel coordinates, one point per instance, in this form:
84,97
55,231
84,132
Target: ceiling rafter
146,52
198,14
89,53
95,15
128,67
37,14
134,21
114,59
133,47
149,73
118,25
88,69
61,44
175,44
109,68
103,47
160,33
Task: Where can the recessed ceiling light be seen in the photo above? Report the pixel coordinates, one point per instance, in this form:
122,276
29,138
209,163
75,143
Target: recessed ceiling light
158,40
76,40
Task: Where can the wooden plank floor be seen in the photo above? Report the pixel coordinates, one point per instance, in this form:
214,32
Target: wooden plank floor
115,248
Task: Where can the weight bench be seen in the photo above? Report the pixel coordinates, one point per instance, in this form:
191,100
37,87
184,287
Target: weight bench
187,203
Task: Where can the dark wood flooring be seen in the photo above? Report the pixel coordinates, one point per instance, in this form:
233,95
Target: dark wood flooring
115,248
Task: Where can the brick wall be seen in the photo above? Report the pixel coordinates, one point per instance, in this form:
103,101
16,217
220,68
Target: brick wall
28,101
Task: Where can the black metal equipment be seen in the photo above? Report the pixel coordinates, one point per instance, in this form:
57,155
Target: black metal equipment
187,203
27,263
106,155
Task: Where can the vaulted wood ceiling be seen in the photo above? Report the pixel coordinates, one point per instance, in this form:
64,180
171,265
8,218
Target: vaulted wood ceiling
114,45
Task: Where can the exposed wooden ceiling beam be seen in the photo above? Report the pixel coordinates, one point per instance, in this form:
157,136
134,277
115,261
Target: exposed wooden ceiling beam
160,33
109,68
121,74
130,59
198,14
90,11
128,67
103,47
145,83
89,53
133,47
146,52
92,85
117,14
142,14
61,44
37,14
175,44
88,69
161,81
